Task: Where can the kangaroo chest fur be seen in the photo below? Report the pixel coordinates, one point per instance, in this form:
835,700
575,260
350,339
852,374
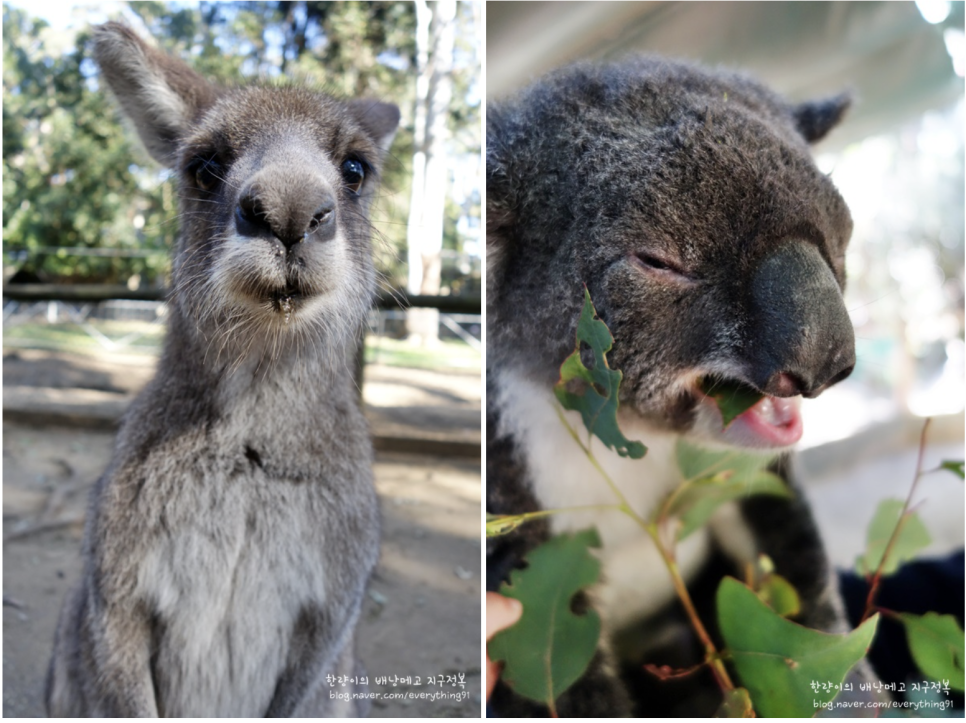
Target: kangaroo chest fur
229,592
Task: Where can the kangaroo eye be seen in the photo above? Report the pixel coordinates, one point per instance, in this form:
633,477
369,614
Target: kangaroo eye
354,173
207,173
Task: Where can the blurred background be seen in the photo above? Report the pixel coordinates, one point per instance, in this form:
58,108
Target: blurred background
88,224
898,159
83,204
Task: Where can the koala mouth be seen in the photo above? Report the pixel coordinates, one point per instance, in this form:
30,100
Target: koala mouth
754,420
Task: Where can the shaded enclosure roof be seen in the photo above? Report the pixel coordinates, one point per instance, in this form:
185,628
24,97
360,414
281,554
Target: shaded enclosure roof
895,63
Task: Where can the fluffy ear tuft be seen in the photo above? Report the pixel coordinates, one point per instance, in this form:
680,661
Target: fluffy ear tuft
378,119
814,119
160,94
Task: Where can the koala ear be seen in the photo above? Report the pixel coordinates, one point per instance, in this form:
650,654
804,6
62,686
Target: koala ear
815,118
500,197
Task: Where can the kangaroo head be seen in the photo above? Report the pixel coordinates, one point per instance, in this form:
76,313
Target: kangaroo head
275,185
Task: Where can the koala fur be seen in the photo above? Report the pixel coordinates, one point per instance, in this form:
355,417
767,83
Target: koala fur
228,545
688,204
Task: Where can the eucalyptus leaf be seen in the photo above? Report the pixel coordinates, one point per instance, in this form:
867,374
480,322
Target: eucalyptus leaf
954,467
777,660
912,537
733,399
780,595
550,647
699,499
696,462
938,646
597,401
713,477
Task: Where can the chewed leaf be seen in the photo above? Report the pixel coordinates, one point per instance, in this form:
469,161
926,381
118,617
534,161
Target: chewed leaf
954,467
597,401
938,646
777,660
912,537
732,398
550,647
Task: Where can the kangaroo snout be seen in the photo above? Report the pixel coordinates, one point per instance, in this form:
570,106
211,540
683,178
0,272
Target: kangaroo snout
291,209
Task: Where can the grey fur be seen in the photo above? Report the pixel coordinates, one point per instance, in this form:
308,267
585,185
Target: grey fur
687,202
229,542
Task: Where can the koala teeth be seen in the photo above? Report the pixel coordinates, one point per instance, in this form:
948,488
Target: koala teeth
774,422
776,411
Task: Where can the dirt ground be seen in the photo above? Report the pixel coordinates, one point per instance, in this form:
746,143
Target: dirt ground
421,617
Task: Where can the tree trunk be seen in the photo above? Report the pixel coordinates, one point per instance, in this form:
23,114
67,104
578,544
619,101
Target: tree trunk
435,36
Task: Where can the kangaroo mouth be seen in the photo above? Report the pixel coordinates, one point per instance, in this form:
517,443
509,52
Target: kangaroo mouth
287,300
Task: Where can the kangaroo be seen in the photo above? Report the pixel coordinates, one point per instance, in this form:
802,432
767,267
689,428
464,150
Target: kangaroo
229,543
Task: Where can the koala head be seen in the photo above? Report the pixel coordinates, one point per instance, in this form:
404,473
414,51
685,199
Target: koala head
688,204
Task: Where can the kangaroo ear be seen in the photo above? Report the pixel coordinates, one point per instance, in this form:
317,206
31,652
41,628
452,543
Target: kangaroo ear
814,119
160,94
378,119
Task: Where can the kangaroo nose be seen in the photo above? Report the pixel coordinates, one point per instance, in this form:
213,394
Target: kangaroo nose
289,220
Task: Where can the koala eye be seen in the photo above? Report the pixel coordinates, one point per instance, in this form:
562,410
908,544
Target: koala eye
654,262
206,173
650,262
353,173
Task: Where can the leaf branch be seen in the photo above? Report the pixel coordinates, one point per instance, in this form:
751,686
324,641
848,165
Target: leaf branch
712,656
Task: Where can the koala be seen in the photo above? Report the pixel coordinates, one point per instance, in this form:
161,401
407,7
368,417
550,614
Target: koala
687,203
228,545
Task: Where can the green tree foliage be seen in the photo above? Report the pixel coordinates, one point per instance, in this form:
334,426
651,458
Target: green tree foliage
72,178
66,176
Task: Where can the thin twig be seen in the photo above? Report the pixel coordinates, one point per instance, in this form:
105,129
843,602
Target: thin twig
877,577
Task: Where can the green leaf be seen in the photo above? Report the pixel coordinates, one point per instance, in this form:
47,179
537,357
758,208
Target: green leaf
936,702
910,539
954,467
777,659
736,704
550,647
598,401
780,595
938,646
697,501
732,398
713,478
695,462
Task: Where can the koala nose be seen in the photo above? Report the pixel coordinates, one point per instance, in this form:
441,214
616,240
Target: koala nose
801,339
784,384
789,384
